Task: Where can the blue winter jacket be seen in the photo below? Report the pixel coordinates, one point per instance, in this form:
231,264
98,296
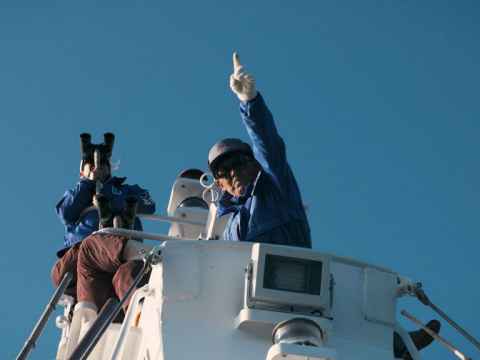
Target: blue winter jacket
79,216
272,210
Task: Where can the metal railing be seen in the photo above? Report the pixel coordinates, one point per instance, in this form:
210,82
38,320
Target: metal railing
139,234
37,330
170,219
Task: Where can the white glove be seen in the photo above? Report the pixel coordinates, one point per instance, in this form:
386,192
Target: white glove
241,83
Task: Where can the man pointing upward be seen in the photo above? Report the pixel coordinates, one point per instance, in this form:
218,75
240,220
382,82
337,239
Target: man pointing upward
258,185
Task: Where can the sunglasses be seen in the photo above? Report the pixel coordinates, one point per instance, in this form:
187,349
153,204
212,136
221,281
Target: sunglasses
224,169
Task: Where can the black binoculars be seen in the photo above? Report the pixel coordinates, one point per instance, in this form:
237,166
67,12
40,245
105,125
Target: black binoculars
124,220
96,154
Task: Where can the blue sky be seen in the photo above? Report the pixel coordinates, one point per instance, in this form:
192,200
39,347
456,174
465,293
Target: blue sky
377,102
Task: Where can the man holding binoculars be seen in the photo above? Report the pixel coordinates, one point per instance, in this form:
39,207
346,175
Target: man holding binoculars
78,211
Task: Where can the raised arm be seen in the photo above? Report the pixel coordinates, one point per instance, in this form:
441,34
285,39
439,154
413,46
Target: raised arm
268,146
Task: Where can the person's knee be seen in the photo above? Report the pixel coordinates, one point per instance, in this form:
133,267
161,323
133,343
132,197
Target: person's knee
126,273
87,247
124,279
56,274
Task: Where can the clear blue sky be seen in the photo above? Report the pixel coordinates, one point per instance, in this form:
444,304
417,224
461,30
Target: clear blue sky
376,100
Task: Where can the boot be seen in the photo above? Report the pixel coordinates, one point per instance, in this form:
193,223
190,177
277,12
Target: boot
421,338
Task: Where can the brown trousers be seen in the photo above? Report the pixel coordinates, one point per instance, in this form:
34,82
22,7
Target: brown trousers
101,271
67,263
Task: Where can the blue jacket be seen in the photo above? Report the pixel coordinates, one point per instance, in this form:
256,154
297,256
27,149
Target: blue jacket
272,210
80,218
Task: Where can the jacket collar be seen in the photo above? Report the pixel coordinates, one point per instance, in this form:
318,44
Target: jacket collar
116,181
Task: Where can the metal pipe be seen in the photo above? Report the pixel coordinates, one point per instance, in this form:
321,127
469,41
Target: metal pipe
37,330
426,301
138,234
171,219
127,323
440,339
455,325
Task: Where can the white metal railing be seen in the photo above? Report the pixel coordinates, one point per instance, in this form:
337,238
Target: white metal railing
138,234
171,219
129,320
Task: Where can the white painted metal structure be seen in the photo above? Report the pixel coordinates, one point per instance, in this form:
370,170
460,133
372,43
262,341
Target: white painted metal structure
208,300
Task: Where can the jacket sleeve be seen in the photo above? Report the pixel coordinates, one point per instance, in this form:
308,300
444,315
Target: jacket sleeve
268,147
146,205
75,200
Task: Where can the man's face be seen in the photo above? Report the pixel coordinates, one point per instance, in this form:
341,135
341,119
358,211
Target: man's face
101,173
235,173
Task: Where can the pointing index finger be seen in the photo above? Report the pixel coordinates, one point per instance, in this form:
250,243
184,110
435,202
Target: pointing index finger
236,63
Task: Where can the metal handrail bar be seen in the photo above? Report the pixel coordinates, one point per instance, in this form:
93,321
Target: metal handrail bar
437,337
171,219
127,321
422,296
138,234
455,325
154,217
37,330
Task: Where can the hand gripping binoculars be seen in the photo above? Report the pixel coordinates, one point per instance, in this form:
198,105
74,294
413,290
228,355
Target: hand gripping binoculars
126,219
